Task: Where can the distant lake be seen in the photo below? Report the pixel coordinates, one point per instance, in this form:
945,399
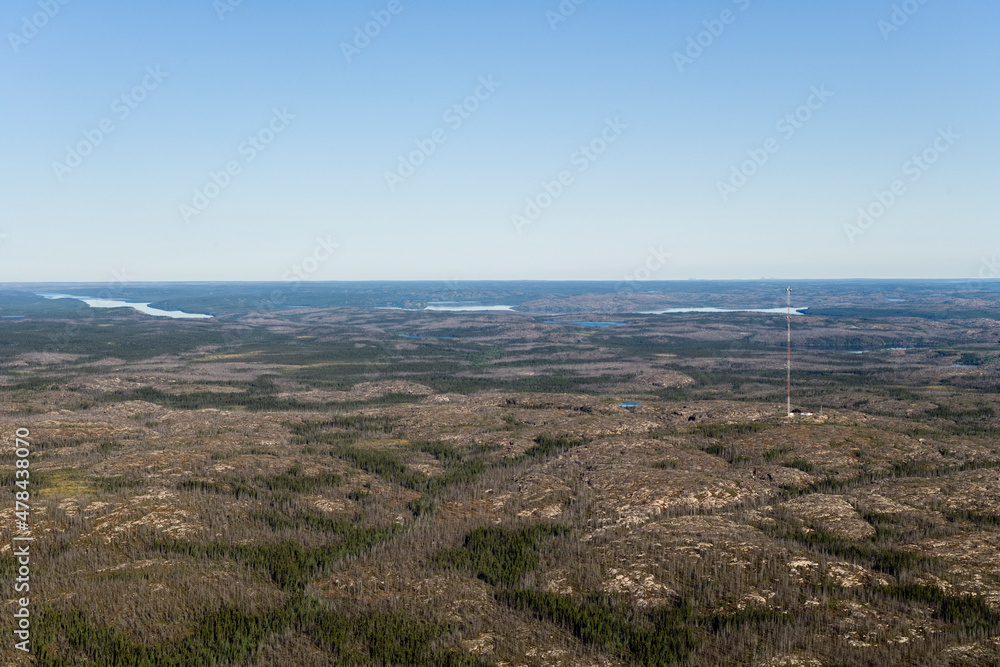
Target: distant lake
629,405
777,311
463,306
588,324
884,349
450,306
141,307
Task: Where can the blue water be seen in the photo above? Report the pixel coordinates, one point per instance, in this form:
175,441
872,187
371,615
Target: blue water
629,405
445,307
11,317
776,311
589,324
462,306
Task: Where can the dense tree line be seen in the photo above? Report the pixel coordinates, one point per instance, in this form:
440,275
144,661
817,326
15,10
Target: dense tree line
665,638
288,563
877,552
500,556
229,636
728,430
459,468
970,612
292,481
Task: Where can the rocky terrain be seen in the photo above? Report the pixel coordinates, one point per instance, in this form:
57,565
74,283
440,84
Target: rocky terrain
334,486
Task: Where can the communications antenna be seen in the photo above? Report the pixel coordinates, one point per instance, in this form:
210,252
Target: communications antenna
788,365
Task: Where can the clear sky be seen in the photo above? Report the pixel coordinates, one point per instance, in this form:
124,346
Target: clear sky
116,115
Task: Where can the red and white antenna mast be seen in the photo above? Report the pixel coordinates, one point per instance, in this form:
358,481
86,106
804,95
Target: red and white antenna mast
788,366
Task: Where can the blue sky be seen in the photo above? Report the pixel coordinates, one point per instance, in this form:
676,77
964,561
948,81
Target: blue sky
484,201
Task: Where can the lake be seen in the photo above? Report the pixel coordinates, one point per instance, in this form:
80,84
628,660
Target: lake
449,307
776,311
141,307
463,306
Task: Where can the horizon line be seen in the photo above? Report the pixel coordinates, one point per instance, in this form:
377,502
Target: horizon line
487,280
